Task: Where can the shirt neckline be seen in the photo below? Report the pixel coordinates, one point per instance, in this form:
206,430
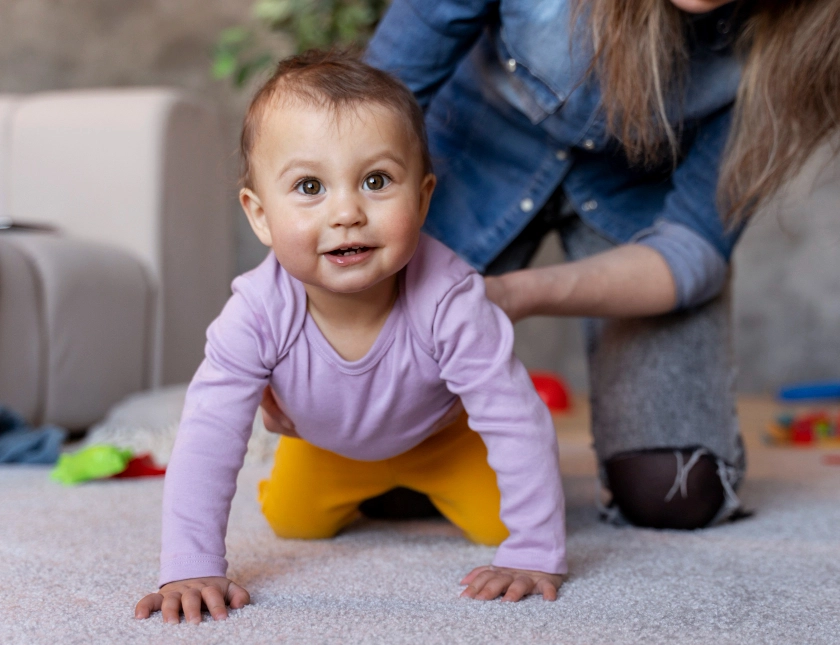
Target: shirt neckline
381,345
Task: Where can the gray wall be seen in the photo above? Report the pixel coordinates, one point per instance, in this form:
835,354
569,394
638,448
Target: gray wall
64,44
787,284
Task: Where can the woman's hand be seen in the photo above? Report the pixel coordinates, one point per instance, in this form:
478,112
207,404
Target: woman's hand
214,592
488,582
274,419
628,281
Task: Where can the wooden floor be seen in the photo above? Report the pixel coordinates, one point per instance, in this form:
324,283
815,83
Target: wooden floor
755,414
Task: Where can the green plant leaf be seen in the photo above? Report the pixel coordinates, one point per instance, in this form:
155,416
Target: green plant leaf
247,69
273,12
234,36
350,22
224,64
308,23
311,32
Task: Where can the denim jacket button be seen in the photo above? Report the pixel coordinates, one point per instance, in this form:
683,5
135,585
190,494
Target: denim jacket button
589,144
526,205
590,205
561,155
511,65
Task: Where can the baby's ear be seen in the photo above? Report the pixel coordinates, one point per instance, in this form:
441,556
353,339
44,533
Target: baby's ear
255,213
427,187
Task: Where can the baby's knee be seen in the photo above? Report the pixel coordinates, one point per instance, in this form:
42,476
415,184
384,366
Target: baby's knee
301,530
490,535
486,528
294,520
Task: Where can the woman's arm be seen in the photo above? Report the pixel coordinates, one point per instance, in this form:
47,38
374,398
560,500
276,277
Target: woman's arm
421,43
628,281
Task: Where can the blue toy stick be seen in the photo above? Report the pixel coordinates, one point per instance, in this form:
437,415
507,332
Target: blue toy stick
810,391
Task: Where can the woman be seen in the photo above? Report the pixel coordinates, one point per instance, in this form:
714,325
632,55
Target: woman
645,133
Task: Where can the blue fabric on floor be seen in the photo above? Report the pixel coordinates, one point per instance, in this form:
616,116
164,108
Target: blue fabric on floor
22,444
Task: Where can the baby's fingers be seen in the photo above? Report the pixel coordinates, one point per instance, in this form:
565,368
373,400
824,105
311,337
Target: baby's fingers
472,574
274,419
488,584
171,608
148,605
519,588
476,582
215,602
494,587
191,602
547,588
237,596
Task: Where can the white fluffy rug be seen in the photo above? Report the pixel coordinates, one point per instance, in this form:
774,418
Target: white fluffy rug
76,560
147,422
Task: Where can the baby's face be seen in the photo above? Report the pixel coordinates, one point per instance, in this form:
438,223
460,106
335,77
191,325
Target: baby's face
339,197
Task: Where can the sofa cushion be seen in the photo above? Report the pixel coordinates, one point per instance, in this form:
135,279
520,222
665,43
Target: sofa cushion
75,327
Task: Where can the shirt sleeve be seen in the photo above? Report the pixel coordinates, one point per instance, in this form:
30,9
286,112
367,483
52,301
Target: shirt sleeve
692,203
212,440
698,268
473,344
422,43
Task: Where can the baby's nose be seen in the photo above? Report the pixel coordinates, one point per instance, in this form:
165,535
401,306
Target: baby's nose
348,212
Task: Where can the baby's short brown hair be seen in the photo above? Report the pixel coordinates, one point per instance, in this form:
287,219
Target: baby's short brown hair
337,80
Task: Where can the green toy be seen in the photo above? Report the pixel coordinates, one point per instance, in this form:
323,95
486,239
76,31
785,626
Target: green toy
96,462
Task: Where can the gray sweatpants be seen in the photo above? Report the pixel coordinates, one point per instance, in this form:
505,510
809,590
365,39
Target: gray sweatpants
663,382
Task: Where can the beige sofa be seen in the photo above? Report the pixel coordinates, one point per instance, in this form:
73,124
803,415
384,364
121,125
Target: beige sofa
118,298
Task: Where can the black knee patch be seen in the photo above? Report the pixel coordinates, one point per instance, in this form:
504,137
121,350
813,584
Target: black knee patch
643,488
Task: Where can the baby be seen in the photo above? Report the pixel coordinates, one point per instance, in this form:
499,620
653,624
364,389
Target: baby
369,332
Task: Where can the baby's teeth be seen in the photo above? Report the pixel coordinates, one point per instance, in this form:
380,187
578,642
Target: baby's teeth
352,250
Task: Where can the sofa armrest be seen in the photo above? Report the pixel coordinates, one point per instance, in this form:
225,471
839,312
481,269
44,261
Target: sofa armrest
139,169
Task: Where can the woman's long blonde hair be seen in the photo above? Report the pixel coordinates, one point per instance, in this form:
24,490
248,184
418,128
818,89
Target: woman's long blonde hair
788,100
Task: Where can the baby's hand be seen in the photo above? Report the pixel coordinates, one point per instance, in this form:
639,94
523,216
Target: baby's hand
274,419
488,582
189,594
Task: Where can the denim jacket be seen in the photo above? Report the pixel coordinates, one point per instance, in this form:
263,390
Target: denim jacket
512,114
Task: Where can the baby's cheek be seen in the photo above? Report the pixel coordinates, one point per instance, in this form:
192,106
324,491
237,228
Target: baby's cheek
409,239
294,260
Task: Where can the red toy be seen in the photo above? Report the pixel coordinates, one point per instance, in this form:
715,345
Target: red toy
141,466
552,390
806,428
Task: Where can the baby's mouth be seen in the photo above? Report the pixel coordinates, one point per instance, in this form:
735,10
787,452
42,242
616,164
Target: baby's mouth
349,250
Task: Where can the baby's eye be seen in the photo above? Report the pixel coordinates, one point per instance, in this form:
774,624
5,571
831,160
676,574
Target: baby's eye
376,181
310,187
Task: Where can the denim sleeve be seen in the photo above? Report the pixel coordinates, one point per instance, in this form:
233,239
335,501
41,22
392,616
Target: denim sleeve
692,200
422,42
699,270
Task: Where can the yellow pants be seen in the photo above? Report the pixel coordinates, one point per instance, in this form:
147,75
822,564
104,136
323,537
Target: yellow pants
313,493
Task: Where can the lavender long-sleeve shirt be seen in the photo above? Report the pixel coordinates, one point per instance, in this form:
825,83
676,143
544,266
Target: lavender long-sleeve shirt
442,340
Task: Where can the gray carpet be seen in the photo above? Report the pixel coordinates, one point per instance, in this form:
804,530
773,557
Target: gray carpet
74,561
